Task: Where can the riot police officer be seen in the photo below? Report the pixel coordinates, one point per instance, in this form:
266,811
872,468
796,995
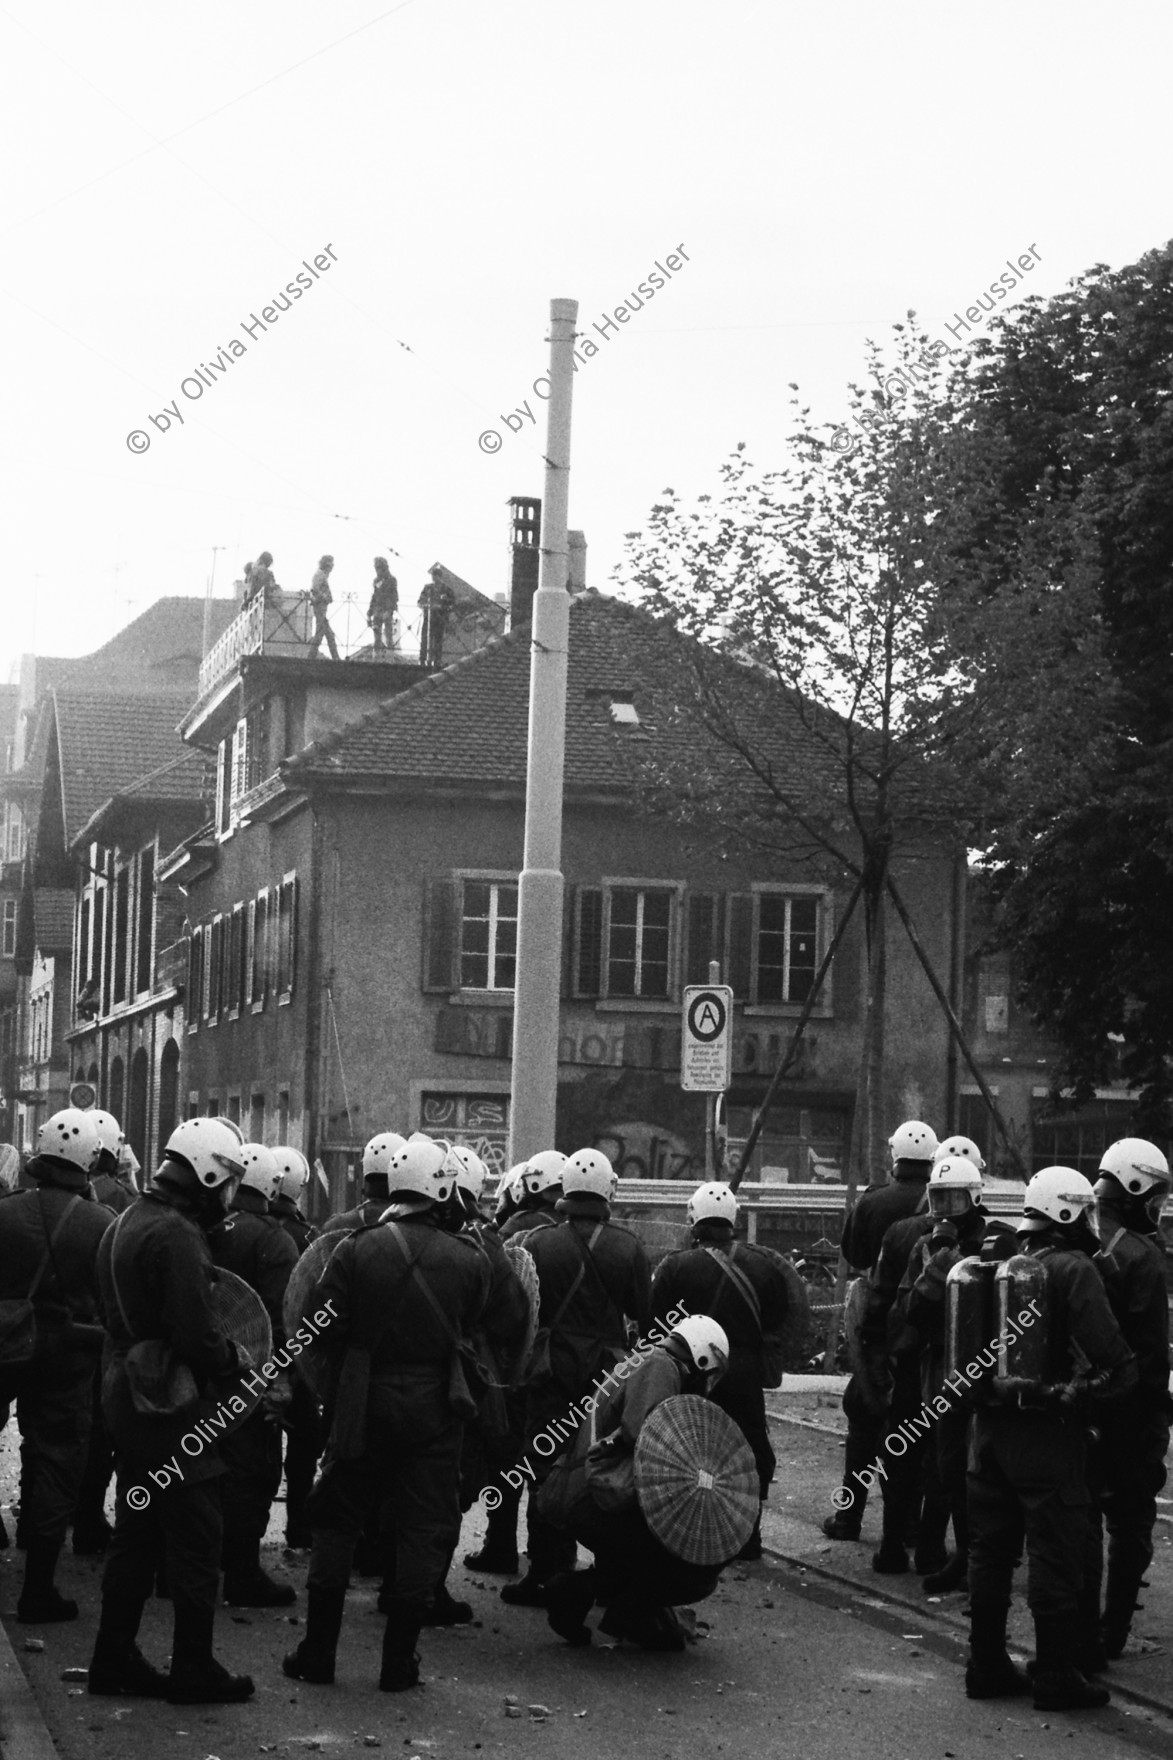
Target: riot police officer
540,1183
302,1422
1028,1456
155,1278
376,1159
252,1243
401,1294
49,1241
866,1396
741,1287
1128,1460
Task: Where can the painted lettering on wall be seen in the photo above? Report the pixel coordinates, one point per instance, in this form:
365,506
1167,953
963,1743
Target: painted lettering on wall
621,1044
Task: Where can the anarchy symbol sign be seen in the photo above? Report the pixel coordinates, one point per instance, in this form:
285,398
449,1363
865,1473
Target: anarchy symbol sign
707,1044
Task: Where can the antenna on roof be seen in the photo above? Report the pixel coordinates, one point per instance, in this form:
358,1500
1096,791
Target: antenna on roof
207,642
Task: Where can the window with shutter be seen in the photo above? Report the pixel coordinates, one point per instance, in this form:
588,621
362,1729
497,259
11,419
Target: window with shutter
195,979
588,941
286,937
488,933
439,939
260,954
739,945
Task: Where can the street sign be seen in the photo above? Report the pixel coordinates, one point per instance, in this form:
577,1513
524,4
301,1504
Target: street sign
706,1054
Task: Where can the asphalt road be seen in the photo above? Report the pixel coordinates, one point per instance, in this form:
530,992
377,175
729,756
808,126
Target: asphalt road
794,1661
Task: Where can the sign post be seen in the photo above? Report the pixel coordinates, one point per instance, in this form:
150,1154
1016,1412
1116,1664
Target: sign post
706,1053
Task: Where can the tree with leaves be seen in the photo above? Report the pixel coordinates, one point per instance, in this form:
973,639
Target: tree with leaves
1054,560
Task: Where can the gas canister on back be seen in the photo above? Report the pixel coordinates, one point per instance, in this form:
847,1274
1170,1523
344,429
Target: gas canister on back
1020,1319
969,1320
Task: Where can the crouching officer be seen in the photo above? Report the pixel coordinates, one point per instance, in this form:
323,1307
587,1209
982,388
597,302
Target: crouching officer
155,1276
49,1241
253,1244
741,1287
1128,1458
1028,1457
401,1296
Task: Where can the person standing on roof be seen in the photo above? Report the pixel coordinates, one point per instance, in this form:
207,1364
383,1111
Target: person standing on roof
320,601
383,606
438,604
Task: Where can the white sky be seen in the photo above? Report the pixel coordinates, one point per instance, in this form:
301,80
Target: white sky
826,166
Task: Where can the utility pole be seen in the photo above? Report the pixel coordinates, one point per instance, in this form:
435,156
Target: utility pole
539,929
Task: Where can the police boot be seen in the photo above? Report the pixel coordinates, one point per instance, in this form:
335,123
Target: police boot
246,1584
196,1677
752,1550
989,1673
1058,1684
1119,1606
40,1602
952,1575
401,1664
442,1610
313,1660
498,1555
529,1591
571,1595
118,1668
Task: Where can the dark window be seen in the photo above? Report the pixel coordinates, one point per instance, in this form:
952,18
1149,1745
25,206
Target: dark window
168,1093
286,937
195,978
234,986
8,947
214,959
488,935
260,950
639,941
121,933
787,946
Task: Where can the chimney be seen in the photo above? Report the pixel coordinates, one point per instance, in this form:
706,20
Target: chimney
576,575
525,553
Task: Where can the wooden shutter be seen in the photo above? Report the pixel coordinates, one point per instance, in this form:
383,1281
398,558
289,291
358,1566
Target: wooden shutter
588,941
440,972
706,935
739,954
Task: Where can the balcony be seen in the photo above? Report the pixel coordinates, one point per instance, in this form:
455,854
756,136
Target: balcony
284,625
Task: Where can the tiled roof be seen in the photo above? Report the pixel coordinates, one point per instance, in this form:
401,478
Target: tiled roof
469,722
53,912
160,651
110,745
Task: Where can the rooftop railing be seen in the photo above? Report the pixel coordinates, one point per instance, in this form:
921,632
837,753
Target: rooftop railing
284,624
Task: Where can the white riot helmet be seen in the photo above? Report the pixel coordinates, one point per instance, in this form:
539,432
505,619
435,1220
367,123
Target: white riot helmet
110,1131
1055,1194
210,1147
913,1141
708,1343
70,1139
542,1171
294,1170
955,1185
588,1173
261,1170
424,1168
1136,1165
713,1202
380,1152
953,1147
472,1174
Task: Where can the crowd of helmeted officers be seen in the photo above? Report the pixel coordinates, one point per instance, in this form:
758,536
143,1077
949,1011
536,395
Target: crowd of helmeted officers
443,1324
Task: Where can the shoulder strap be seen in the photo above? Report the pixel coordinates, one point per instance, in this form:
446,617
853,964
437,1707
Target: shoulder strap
413,1271
113,1273
740,1283
588,1264
48,1253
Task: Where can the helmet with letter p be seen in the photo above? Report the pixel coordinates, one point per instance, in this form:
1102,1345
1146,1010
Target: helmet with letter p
955,1186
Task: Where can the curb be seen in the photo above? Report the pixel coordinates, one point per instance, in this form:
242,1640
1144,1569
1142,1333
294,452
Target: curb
24,1734
950,1623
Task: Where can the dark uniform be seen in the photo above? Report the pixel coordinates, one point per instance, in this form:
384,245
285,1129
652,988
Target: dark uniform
364,1215
91,1531
254,1245
392,1355
920,1307
1128,1459
694,1281
875,1210
636,1579
112,1192
594,1280
303,1426
531,1215
54,1392
1028,1465
164,1279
